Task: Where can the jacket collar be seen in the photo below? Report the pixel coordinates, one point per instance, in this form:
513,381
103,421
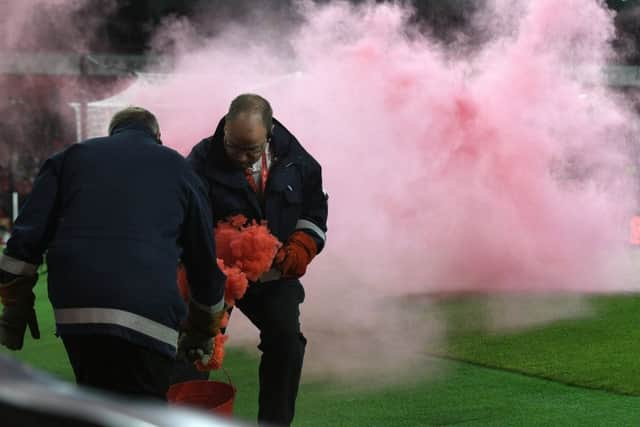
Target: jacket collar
133,125
222,170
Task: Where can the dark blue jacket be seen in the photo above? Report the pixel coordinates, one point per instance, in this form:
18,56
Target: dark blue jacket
114,215
294,197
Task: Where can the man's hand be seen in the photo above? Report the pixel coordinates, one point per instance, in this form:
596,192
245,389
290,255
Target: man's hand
293,258
196,341
17,297
194,347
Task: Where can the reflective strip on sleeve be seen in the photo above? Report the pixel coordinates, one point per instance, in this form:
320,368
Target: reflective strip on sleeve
71,316
304,224
16,266
210,308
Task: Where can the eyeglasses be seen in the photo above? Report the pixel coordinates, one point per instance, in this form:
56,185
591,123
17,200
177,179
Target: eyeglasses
254,150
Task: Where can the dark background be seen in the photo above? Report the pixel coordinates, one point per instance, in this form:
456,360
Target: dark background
134,20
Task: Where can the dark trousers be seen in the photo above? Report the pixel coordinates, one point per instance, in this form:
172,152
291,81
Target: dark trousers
116,365
274,308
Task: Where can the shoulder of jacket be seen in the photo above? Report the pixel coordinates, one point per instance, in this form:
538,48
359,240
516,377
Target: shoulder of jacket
202,148
296,149
173,154
301,154
55,160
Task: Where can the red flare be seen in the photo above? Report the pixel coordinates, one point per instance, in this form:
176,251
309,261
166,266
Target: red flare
225,320
225,232
248,246
245,251
236,284
183,283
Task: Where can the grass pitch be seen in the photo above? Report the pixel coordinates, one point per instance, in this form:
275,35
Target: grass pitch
569,373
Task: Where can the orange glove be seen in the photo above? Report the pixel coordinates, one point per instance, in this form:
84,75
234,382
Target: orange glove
293,258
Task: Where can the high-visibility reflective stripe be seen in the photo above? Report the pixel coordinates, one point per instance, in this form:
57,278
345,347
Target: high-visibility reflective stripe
111,316
16,266
210,308
304,224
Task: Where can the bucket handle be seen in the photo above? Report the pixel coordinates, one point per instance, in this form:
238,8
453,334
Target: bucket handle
226,374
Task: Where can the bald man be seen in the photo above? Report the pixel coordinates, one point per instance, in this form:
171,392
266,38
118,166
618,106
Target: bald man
252,165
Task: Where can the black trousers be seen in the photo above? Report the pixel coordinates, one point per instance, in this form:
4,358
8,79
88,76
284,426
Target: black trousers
274,308
116,365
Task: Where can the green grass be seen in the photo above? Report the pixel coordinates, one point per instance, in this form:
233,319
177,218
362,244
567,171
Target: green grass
596,352
468,396
600,351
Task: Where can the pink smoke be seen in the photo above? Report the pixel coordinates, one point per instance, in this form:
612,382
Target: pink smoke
498,171
54,25
42,43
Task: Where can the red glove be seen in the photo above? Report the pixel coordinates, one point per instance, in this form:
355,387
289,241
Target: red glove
293,258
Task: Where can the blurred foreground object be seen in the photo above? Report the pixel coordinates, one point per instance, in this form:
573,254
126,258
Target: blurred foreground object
32,398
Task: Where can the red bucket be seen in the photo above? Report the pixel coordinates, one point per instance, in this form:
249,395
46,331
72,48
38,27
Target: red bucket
213,396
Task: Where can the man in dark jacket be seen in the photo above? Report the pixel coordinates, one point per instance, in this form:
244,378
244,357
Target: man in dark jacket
255,167
114,215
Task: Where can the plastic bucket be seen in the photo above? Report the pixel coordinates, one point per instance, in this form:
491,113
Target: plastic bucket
213,396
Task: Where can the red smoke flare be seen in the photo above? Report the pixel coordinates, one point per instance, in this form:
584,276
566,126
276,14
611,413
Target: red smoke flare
236,284
245,251
183,283
246,245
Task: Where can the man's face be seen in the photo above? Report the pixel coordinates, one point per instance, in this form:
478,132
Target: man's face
245,139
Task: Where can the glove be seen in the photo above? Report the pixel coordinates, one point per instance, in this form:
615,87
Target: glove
194,347
294,256
196,340
17,297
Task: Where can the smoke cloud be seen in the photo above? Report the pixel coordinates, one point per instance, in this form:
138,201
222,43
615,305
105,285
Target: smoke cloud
41,43
498,168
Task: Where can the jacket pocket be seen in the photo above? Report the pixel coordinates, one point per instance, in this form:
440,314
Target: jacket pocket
292,196
291,207
284,208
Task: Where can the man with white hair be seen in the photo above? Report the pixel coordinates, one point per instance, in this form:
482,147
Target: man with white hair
255,167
